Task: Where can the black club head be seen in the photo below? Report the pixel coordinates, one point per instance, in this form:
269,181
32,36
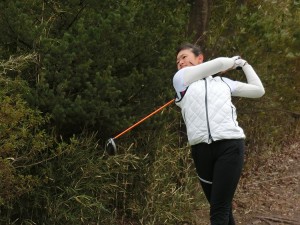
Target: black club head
110,147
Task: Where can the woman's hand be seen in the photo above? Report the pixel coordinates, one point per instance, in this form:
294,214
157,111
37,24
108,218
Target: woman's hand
239,63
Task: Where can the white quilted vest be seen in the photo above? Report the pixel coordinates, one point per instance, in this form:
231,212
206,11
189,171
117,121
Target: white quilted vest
208,112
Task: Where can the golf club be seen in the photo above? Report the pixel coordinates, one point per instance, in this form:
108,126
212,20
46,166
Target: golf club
111,147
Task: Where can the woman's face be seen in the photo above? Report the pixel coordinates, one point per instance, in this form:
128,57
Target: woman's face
187,58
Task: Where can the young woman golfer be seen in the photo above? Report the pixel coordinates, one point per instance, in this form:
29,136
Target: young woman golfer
213,132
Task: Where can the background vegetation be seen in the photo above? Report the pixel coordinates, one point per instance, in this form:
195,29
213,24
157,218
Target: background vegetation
75,73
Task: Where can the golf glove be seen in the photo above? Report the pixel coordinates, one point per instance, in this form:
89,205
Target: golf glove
239,63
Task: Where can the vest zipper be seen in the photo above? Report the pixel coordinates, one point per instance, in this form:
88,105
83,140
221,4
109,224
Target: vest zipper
206,110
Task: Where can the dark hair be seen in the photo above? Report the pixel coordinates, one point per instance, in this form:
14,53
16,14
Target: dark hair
194,48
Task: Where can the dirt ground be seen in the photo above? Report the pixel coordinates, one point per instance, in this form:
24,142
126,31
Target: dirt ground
269,193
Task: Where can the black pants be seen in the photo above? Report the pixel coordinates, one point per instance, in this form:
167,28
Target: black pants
219,166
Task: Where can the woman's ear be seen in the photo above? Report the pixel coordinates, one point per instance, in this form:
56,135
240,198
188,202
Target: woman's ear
200,58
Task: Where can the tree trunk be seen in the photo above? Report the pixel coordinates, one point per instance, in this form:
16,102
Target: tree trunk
199,18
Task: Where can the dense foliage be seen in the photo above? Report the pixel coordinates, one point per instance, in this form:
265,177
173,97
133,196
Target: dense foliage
74,73
98,64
